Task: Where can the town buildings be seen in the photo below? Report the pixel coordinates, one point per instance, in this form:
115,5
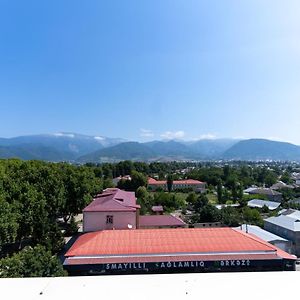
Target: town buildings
117,209
195,185
269,237
286,225
173,250
272,195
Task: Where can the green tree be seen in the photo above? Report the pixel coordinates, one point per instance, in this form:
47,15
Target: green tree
210,213
201,202
31,262
230,216
252,216
286,178
191,198
137,179
170,183
265,209
72,227
8,223
220,192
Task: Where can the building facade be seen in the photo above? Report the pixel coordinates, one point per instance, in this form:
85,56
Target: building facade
173,251
195,185
269,237
117,209
113,209
287,227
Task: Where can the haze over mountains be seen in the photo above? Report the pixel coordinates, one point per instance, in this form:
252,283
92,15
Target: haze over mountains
79,148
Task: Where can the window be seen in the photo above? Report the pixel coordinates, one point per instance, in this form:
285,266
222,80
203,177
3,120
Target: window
109,219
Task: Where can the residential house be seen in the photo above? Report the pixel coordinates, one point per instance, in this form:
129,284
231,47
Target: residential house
269,193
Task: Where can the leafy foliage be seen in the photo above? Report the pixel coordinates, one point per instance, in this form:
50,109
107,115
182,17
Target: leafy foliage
31,262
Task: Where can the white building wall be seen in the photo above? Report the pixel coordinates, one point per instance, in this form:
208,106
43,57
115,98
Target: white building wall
94,221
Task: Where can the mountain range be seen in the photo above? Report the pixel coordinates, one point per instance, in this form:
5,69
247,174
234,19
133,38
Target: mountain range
80,148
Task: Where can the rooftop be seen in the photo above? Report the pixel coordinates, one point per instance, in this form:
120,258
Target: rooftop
292,213
264,191
250,189
261,233
113,199
261,203
185,181
157,208
160,220
156,244
281,185
286,222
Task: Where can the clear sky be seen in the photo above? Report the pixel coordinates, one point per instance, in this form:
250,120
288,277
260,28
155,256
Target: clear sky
146,70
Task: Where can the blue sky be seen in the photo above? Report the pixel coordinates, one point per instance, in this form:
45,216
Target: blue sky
146,70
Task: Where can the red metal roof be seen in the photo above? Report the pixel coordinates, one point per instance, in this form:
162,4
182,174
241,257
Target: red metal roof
113,199
174,242
152,181
158,182
160,220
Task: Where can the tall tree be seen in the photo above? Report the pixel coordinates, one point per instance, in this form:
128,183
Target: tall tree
220,192
170,183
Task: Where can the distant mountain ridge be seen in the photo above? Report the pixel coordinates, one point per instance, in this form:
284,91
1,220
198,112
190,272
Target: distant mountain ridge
62,146
79,148
262,149
123,151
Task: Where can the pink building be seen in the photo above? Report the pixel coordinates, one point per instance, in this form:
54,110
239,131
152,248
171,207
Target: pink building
117,209
113,209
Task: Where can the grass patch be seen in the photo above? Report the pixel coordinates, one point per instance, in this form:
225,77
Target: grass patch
212,198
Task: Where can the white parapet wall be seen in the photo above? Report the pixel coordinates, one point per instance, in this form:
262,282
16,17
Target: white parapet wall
233,286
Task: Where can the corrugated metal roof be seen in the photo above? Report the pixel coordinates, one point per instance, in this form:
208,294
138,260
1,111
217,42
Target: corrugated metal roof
295,215
261,203
113,199
152,181
168,241
261,233
285,222
264,191
160,220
